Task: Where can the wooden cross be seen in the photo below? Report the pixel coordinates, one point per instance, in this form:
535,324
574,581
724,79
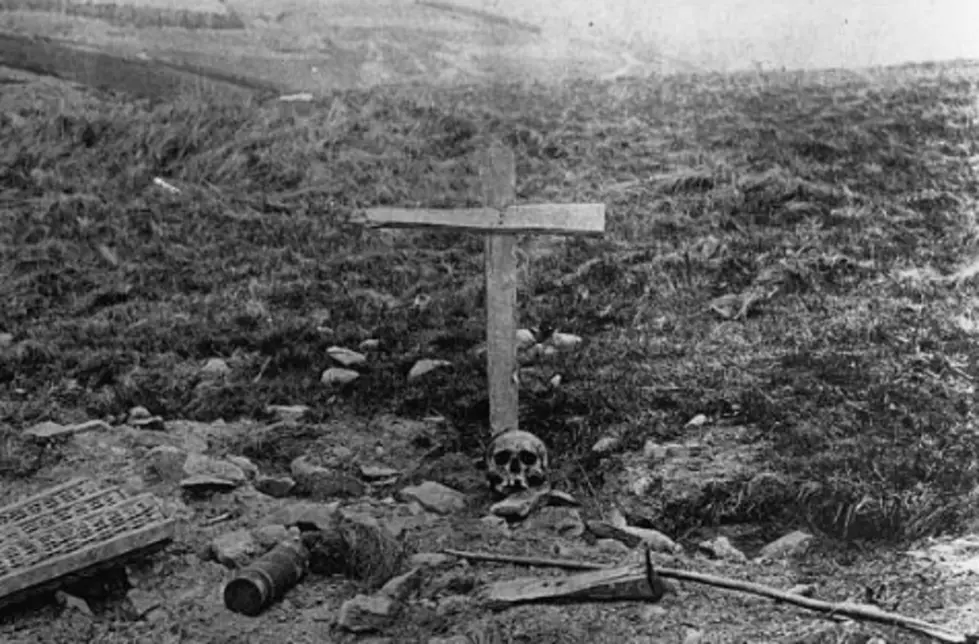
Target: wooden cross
501,220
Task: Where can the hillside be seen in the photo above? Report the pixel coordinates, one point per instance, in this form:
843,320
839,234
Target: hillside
776,332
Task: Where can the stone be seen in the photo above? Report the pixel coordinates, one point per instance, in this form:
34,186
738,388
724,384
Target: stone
74,603
48,430
495,523
370,344
275,486
788,546
606,445
518,506
166,462
287,412
6,340
143,602
315,516
215,368
203,484
435,497
564,341
138,413
425,366
337,376
267,536
612,547
366,613
721,548
697,421
525,338
322,483
377,473
455,639
654,539
346,357
245,465
566,522
400,588
201,465
234,549
430,560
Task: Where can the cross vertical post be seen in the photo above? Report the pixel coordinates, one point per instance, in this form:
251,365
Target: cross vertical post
500,219
499,179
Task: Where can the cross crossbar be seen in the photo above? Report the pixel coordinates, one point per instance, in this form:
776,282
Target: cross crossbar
500,219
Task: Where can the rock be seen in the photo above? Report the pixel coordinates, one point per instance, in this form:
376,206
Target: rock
612,547
143,602
138,413
566,522
166,463
215,368
48,430
365,613
313,516
321,483
6,340
791,545
430,560
518,506
203,484
697,421
721,548
805,590
234,549
245,465
525,338
201,465
336,376
495,523
564,341
455,639
606,445
342,453
346,357
370,344
74,603
140,418
268,536
400,588
425,366
654,539
377,473
287,412
435,497
275,486
559,498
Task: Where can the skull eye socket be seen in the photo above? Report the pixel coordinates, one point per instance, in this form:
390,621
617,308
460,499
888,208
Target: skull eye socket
502,457
528,458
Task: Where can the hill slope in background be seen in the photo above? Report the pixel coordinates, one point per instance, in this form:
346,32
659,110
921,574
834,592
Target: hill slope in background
316,47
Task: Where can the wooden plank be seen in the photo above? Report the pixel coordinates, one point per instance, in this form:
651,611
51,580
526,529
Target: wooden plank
628,583
554,219
498,175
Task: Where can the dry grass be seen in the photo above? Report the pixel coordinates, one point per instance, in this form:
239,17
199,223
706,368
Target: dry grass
812,193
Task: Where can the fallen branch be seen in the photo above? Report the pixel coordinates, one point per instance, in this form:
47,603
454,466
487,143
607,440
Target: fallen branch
632,574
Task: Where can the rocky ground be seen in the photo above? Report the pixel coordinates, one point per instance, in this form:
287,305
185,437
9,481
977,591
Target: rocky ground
391,479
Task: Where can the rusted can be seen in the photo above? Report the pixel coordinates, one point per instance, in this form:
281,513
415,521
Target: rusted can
264,581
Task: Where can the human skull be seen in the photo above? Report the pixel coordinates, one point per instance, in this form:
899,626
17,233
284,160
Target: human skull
516,460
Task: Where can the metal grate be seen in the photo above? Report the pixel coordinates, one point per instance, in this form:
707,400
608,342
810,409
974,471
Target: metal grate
73,528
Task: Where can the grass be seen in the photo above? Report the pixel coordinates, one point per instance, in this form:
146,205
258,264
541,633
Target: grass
827,197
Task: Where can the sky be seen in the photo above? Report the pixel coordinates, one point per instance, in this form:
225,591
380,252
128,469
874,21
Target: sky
728,34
